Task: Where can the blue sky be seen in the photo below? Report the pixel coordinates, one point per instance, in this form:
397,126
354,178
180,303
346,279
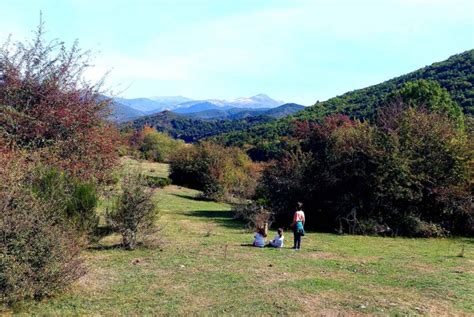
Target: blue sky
293,50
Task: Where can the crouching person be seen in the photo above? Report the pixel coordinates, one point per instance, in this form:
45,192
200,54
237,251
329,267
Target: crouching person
260,236
277,242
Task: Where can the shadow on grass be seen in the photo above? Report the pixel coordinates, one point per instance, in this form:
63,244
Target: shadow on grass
101,232
221,217
100,247
191,197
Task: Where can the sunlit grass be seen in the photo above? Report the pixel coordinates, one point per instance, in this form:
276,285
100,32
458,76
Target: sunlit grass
204,268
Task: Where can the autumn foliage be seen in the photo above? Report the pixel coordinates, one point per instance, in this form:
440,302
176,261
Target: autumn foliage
221,173
47,106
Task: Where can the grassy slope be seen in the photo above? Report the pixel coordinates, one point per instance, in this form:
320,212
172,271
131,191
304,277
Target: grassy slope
194,273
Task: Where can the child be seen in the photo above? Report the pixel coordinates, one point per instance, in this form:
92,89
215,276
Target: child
260,238
277,242
298,226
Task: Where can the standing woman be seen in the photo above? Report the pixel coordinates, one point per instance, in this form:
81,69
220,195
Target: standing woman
298,226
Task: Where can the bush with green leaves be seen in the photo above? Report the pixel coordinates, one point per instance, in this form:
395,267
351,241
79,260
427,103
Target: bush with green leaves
252,214
221,173
156,181
158,146
134,213
39,251
74,200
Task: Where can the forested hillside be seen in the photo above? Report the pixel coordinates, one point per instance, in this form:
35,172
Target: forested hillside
242,113
191,130
455,74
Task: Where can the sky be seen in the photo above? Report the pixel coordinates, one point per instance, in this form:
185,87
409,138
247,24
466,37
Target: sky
292,50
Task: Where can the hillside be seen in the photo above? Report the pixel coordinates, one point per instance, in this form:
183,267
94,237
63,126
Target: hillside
456,74
191,130
284,110
121,113
241,113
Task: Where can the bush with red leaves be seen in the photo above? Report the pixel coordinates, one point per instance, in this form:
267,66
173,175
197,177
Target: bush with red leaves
46,105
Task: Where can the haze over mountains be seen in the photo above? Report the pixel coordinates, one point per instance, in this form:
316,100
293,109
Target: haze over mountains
124,109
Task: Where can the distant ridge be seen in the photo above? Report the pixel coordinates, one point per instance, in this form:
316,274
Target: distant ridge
180,104
191,129
241,113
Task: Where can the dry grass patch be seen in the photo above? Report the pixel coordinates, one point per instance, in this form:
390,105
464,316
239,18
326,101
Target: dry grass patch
97,280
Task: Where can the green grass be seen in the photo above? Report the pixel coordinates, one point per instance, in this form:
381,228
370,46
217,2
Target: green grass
150,168
203,268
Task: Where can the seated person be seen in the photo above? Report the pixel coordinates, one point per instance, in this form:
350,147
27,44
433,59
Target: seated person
260,238
277,242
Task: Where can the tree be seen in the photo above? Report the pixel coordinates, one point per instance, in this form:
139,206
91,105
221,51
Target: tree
429,94
221,173
158,146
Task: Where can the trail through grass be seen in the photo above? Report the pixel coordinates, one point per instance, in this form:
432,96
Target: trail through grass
203,268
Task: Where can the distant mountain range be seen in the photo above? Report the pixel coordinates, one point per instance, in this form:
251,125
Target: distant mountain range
128,109
154,104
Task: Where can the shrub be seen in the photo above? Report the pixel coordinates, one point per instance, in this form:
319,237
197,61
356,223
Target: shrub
72,199
221,173
158,146
39,253
253,215
135,213
415,227
156,181
47,106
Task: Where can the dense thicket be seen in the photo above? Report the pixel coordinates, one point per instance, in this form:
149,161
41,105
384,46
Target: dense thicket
221,173
408,172
456,75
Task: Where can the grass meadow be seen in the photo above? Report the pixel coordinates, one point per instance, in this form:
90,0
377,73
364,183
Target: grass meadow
204,267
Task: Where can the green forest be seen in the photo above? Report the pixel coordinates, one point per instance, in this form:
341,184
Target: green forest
193,130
